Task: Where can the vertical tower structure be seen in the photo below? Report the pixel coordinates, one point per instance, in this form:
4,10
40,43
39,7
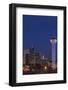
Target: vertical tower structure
53,43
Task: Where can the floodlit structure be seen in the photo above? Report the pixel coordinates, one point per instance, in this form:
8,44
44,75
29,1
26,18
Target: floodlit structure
53,42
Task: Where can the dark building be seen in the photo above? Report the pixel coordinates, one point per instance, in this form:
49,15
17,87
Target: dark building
33,57
25,52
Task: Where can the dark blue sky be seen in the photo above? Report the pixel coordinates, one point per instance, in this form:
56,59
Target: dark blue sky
37,32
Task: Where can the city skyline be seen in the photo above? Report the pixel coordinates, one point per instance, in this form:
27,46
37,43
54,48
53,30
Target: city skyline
37,32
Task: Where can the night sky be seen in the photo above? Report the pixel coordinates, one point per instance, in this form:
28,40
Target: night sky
37,31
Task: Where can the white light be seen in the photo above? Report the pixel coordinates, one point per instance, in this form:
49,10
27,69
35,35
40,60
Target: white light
53,40
45,67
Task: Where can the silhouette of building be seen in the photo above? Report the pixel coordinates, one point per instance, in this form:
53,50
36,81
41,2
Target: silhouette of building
33,57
